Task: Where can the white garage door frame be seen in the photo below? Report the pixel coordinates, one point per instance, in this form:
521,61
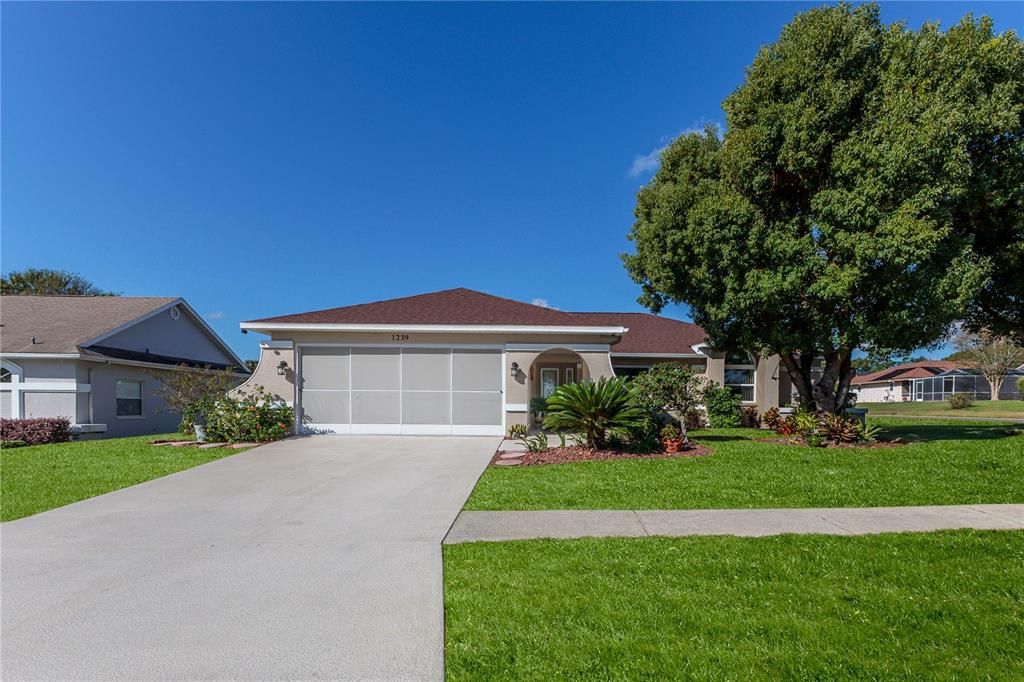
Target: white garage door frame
402,429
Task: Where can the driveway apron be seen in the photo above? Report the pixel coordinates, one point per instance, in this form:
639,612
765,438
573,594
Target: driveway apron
308,558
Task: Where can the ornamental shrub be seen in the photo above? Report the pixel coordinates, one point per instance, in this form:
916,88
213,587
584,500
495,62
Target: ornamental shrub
723,406
255,416
960,401
35,431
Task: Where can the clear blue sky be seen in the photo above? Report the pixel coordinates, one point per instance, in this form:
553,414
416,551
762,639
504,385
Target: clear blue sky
262,159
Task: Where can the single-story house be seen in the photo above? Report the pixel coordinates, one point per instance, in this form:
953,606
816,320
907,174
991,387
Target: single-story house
465,362
928,380
98,360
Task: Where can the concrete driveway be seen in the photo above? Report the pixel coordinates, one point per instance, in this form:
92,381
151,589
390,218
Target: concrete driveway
309,558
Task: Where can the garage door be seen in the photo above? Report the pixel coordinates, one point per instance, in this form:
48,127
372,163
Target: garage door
354,389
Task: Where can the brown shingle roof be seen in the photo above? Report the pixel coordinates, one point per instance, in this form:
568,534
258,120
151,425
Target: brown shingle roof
651,333
449,307
60,323
647,333
911,370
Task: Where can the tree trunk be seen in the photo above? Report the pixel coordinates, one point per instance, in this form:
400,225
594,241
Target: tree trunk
799,369
995,382
829,393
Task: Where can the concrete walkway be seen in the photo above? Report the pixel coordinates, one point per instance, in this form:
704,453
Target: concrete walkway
473,526
312,558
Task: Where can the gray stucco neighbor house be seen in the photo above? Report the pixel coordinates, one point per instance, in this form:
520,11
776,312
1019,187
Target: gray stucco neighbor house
98,359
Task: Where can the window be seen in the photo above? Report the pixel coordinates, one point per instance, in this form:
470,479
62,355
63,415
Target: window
570,375
129,398
739,375
5,376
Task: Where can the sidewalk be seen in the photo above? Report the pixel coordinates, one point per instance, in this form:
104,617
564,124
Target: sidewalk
473,526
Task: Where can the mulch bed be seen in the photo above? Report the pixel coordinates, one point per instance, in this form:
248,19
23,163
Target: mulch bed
580,454
878,444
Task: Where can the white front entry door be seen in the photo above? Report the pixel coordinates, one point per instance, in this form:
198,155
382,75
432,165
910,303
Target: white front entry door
412,390
548,381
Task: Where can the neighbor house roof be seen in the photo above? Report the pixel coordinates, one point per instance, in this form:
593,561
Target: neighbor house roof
60,324
651,334
911,370
449,307
77,325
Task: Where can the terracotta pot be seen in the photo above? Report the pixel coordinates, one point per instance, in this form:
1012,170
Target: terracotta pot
673,445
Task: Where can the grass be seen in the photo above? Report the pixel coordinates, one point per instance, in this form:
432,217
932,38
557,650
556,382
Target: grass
1011,409
949,462
41,477
944,605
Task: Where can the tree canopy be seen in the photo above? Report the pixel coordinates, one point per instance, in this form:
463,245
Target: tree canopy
47,282
859,196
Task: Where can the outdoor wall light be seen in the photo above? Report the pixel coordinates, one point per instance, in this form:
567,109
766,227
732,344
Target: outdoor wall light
515,369
281,366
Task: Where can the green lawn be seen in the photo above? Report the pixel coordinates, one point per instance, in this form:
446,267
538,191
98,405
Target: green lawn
944,605
41,477
1013,409
949,462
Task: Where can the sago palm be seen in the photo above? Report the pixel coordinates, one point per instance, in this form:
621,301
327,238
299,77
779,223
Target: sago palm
592,408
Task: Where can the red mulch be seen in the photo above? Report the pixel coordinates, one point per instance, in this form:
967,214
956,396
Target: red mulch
793,440
581,454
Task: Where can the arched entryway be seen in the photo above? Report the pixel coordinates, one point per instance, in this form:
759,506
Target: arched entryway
551,369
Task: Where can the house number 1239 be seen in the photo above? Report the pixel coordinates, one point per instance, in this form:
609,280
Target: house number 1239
399,337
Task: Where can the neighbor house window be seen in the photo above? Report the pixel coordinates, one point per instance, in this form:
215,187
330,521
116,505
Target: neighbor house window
129,398
5,376
739,375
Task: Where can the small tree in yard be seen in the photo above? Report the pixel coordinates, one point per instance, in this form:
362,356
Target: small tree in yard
671,387
993,356
863,194
191,392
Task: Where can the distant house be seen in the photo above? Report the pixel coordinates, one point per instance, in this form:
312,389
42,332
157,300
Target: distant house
98,359
928,380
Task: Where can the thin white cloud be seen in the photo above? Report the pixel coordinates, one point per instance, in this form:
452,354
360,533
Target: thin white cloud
215,316
543,303
647,164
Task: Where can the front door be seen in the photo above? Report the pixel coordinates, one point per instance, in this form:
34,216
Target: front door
548,381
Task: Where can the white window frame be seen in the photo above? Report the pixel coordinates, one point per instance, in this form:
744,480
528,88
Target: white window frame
752,367
142,399
570,375
14,386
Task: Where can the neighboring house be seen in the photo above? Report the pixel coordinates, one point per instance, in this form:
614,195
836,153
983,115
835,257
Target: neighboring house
928,380
465,362
98,359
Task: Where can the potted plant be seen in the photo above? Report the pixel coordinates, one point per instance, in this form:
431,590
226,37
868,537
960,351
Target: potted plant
672,438
539,406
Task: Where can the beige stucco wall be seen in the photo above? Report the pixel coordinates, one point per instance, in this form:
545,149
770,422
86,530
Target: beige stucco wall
569,350
265,375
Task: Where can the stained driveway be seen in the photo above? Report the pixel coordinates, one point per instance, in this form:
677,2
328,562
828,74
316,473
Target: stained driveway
309,558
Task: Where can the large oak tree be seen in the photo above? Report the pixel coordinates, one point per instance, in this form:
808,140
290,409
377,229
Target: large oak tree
859,197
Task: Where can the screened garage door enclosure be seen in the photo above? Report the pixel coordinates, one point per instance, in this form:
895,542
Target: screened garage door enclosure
407,390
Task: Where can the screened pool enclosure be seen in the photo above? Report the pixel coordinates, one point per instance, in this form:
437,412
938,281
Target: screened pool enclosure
941,387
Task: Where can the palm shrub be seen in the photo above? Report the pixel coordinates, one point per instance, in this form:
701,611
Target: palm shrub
593,408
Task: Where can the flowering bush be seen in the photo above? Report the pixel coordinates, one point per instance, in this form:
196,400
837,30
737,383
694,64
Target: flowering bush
36,431
822,428
256,416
